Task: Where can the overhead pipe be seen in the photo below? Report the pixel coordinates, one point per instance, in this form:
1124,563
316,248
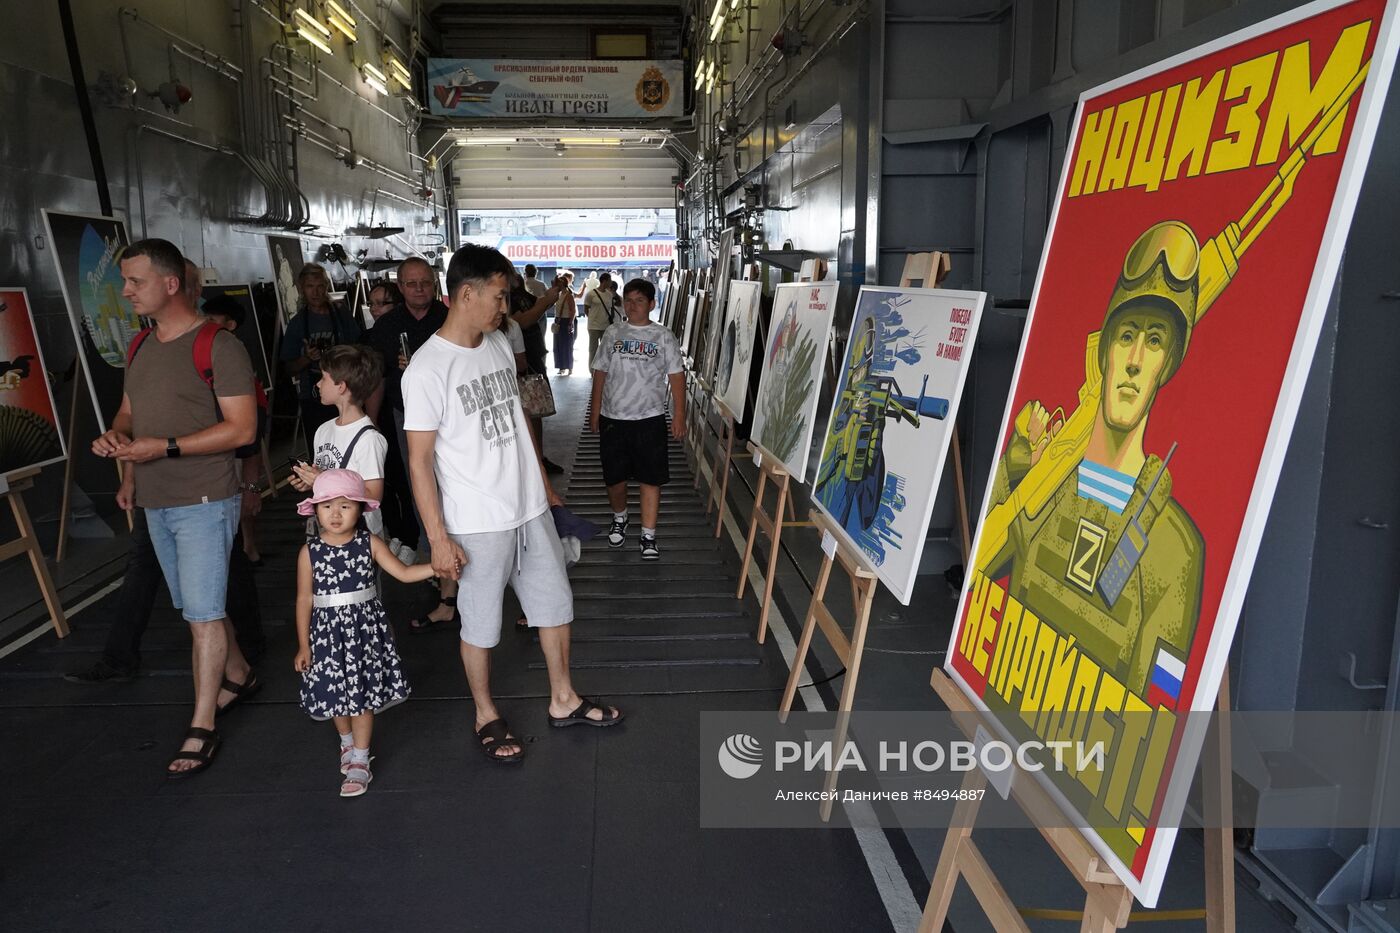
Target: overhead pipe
140,176
209,59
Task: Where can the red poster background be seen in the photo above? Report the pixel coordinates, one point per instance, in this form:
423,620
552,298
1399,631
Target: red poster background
1220,405
16,340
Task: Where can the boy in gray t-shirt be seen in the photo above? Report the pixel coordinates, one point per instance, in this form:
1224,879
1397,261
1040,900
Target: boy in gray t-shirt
638,363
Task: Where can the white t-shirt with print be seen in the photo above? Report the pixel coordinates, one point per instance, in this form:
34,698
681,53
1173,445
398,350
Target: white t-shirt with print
638,361
367,458
486,467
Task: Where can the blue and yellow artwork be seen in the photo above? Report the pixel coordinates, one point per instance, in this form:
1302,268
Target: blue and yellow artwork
891,422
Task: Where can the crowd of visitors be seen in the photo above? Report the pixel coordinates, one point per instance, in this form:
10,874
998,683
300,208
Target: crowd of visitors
420,461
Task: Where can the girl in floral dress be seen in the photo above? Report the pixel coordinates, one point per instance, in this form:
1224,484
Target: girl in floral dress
349,666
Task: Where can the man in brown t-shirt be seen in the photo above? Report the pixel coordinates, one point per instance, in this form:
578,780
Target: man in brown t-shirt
176,439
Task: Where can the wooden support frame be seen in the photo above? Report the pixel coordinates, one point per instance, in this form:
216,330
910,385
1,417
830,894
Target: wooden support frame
13,488
849,649
928,270
1107,902
719,467
769,470
697,412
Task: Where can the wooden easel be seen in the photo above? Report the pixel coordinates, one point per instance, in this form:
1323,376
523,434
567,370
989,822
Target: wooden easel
769,470
719,469
1107,903
928,270
848,650
696,411
12,487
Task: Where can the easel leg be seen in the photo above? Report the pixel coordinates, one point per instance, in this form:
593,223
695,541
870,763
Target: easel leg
955,454
1219,807
267,468
865,596
772,571
724,481
945,875
65,502
804,643
748,546
41,569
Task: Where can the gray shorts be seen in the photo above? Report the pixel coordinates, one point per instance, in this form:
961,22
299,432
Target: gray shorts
529,558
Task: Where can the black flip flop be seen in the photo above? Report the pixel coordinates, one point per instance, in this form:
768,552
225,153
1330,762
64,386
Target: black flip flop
426,623
204,757
579,717
498,731
244,691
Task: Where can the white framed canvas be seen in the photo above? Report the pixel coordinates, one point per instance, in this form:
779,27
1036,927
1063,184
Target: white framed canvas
785,411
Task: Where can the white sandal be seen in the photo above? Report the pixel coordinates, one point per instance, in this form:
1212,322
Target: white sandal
357,779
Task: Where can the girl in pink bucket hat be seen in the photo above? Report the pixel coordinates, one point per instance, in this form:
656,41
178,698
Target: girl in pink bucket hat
349,666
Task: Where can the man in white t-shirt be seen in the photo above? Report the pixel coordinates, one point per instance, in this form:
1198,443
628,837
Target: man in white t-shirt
483,495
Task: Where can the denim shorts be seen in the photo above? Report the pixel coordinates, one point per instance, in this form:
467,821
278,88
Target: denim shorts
193,543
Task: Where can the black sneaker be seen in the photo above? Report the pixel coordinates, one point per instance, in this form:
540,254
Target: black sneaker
551,467
100,672
649,549
617,533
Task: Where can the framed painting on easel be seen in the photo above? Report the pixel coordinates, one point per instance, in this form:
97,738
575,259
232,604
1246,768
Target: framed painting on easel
1181,292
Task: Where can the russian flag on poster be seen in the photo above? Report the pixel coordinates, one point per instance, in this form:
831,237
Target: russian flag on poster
1164,689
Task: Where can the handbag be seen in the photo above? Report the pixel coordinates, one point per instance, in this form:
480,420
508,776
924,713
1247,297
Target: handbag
536,397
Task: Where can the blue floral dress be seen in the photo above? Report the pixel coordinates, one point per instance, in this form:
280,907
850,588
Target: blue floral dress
355,667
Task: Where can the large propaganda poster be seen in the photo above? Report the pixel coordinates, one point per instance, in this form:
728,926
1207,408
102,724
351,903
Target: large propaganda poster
86,252
892,419
29,432
1201,215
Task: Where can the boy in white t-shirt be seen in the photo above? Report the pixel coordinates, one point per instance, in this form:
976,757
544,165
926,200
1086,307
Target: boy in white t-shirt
349,374
637,367
483,496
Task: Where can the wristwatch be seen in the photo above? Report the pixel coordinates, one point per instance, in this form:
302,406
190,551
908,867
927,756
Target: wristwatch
250,487
172,449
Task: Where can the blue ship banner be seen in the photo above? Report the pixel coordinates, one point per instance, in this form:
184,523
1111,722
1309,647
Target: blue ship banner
892,421
534,88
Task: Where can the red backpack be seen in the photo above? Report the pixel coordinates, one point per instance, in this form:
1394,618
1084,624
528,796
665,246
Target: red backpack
204,365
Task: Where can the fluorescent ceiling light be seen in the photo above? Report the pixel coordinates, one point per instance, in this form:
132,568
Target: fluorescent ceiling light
314,39
377,85
485,140
342,27
372,72
398,70
307,20
718,25
590,141
700,75
340,11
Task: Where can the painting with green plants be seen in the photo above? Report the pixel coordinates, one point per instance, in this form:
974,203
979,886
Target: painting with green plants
792,372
